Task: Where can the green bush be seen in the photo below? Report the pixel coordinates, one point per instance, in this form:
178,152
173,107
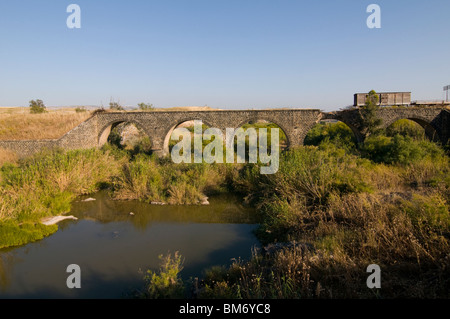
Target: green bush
305,172
165,284
148,178
37,106
145,106
406,128
81,109
337,134
45,184
399,149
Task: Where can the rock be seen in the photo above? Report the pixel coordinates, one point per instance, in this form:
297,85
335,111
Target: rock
131,213
157,203
89,199
56,219
204,201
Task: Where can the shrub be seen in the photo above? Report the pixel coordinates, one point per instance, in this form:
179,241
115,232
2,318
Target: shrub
165,284
115,106
145,107
370,121
148,178
45,184
37,106
312,173
399,149
406,128
337,134
81,109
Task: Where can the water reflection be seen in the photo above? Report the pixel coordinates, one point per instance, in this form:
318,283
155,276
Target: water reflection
225,208
6,262
111,245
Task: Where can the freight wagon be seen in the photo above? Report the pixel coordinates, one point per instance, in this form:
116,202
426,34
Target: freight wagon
385,98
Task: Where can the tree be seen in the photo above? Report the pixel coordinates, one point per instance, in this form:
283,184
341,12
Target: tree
115,106
37,107
145,107
370,120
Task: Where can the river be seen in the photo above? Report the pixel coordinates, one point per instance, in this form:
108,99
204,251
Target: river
115,242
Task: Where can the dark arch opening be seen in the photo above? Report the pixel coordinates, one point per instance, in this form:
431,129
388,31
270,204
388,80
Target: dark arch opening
126,135
334,132
415,128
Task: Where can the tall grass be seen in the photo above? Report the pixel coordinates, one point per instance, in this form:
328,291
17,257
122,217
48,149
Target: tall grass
331,214
45,185
150,179
7,156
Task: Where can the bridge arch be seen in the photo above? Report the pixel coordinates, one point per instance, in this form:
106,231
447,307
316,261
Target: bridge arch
358,135
430,131
269,120
169,129
284,138
342,130
106,129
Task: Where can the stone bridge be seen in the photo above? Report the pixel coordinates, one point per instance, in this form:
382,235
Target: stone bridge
296,123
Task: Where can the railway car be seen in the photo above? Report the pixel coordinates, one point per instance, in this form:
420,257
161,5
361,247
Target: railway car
385,98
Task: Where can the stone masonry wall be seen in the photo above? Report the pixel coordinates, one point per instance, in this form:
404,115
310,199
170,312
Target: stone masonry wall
158,125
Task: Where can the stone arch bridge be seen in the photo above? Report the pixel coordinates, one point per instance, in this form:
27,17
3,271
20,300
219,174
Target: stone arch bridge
296,123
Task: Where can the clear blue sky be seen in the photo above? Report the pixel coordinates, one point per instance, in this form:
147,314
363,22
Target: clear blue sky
222,53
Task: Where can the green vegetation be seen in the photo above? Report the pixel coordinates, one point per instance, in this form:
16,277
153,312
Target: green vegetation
80,109
368,114
406,128
331,210
166,283
115,106
329,213
45,185
337,134
258,125
37,106
13,234
151,179
399,149
145,106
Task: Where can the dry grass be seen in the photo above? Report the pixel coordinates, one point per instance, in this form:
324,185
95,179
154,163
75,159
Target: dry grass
16,123
19,124
7,156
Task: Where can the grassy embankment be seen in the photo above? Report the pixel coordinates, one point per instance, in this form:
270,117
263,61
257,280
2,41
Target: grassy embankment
18,124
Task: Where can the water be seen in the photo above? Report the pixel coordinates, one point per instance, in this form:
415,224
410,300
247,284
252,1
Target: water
114,248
